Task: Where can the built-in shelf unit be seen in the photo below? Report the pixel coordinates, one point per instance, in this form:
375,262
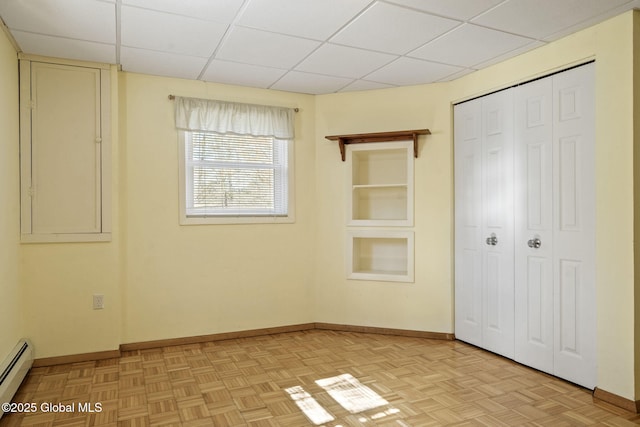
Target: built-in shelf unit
380,238
380,184
385,255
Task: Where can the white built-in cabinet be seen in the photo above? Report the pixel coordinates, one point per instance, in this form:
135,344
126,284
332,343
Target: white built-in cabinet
380,195
380,184
65,150
525,224
379,214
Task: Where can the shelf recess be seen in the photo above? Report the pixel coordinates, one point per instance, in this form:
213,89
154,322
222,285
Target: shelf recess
359,138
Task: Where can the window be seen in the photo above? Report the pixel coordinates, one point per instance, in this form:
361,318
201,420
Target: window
227,177
235,175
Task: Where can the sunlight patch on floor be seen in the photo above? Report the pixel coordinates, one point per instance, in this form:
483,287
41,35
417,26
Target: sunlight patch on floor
311,408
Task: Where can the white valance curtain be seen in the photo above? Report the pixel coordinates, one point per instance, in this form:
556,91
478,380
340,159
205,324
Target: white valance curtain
224,117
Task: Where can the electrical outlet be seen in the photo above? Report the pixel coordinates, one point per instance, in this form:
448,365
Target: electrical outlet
98,301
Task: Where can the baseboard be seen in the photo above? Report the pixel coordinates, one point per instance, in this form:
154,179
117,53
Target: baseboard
75,358
386,331
215,337
144,345
615,400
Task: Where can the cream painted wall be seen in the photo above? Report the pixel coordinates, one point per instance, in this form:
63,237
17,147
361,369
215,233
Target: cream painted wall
427,304
636,190
11,300
204,279
59,281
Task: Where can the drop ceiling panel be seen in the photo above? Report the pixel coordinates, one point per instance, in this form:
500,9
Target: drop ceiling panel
392,29
257,47
511,54
469,45
59,47
594,19
409,71
456,9
148,29
541,18
344,61
457,75
304,18
161,63
314,84
364,85
308,46
242,74
89,20
219,11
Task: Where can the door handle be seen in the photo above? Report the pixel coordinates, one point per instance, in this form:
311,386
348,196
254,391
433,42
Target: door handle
492,240
534,243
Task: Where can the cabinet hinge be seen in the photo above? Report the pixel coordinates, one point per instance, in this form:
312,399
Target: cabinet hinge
31,191
32,104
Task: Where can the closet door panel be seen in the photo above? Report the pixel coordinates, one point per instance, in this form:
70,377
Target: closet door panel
497,186
534,226
574,226
468,222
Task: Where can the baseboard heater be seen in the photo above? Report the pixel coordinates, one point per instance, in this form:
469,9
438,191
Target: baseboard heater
13,370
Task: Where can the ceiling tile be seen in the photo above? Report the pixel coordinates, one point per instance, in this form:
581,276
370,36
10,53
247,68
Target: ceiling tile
161,63
594,19
242,74
513,53
219,11
409,71
304,18
263,48
392,29
79,19
147,29
344,61
543,17
314,84
456,9
59,47
457,75
468,45
364,85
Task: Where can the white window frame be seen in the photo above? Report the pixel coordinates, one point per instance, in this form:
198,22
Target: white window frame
185,191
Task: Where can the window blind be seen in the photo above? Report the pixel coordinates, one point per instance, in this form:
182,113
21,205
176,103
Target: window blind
235,175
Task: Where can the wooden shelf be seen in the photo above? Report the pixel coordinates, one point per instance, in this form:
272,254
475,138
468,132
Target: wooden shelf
358,138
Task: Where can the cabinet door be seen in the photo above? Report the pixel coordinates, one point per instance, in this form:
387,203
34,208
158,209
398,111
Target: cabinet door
468,221
534,225
65,152
65,127
497,224
574,225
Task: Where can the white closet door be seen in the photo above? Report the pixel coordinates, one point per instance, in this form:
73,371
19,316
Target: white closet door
574,225
534,225
484,222
497,190
468,221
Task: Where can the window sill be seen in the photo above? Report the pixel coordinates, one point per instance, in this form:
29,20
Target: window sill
213,220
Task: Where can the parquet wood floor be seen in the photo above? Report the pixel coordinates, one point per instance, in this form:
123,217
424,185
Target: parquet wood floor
242,382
